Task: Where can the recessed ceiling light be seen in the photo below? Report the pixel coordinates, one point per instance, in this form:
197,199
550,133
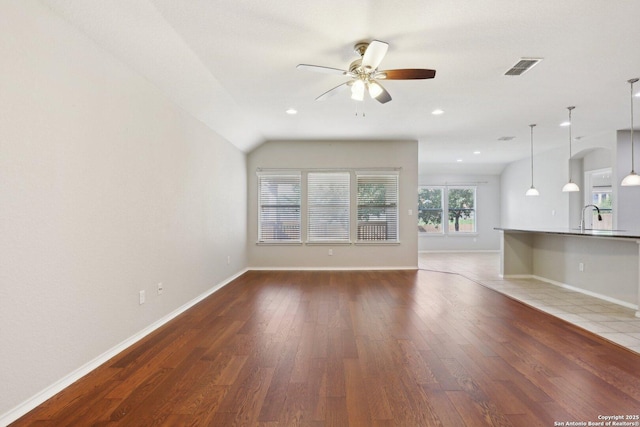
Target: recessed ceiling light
565,124
291,111
476,152
437,112
459,160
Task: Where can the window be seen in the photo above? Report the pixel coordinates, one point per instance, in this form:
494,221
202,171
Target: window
461,202
377,206
335,212
430,210
328,206
459,205
279,207
602,198
598,187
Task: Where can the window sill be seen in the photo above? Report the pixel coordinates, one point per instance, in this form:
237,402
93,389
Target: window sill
376,243
281,243
429,235
329,243
358,243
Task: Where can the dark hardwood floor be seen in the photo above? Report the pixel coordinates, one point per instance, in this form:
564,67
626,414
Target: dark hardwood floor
396,348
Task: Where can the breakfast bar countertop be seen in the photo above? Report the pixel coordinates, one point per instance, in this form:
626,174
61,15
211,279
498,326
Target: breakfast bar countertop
625,234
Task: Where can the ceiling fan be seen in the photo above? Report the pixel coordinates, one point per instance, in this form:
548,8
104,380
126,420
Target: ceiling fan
364,73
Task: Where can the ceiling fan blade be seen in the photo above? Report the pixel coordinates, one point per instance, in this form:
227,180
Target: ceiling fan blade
333,91
384,96
374,54
406,74
321,69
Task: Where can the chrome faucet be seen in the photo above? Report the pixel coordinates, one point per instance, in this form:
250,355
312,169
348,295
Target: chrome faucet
582,219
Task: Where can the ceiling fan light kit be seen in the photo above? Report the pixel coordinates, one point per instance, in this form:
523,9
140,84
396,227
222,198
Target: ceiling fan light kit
357,90
374,89
364,73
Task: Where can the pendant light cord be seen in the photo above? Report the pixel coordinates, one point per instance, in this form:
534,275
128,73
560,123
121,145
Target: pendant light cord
632,81
531,155
570,126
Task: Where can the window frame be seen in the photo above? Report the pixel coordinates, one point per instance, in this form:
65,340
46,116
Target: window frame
474,210
441,188
314,223
446,229
391,204
294,176
304,207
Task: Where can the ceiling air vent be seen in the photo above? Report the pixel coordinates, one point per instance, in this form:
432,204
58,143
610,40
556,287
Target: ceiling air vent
524,65
506,138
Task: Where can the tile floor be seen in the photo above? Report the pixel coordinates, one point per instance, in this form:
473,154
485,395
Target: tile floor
611,321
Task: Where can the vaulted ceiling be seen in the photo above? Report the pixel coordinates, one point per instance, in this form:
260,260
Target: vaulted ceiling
232,64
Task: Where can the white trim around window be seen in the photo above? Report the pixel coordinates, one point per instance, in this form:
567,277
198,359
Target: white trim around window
328,207
279,207
377,210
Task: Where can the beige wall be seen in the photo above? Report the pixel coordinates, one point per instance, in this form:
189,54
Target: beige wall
106,189
610,266
335,155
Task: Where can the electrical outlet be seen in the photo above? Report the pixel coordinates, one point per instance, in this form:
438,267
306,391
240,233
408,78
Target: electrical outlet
330,252
143,297
228,259
160,288
581,266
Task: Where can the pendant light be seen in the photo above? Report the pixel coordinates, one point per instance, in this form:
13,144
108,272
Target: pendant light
633,178
532,191
570,186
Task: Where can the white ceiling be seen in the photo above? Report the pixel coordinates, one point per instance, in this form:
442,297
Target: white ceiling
232,64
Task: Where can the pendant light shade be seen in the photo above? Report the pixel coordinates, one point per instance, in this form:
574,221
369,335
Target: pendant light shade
570,186
633,178
630,180
532,191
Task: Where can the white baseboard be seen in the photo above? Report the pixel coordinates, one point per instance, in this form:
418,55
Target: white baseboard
517,276
74,376
461,251
371,268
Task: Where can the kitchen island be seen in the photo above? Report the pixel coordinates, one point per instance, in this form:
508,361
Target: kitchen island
600,263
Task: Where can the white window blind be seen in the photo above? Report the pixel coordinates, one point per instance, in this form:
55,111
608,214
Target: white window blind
328,206
377,206
279,207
